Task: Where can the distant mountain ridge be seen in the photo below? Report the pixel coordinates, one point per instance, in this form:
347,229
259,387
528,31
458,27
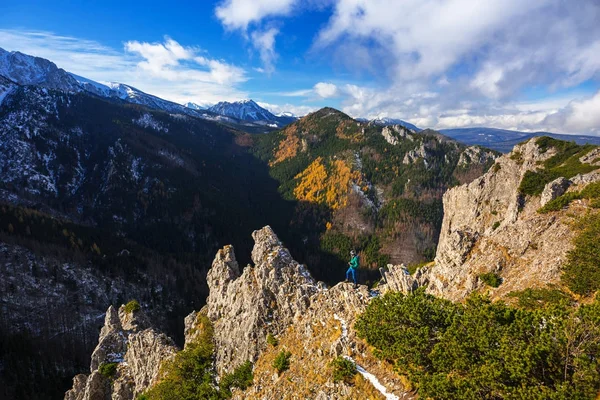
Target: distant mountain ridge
23,69
385,121
248,110
502,140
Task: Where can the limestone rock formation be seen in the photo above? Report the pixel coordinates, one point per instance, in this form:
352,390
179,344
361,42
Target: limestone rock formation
419,153
276,296
264,298
554,189
398,279
475,154
489,226
392,134
137,350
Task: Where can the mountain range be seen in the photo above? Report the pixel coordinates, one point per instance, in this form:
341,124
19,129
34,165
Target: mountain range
109,194
248,110
29,70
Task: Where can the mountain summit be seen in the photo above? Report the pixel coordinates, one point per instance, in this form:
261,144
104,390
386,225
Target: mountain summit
248,110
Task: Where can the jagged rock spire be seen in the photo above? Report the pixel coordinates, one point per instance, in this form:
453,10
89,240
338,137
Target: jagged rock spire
265,298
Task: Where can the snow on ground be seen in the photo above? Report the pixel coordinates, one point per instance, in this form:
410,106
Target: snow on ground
374,381
366,374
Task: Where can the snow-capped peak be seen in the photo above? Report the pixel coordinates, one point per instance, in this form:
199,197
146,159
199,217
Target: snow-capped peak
28,70
195,106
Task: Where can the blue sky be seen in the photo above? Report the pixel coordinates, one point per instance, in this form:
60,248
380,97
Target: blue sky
510,64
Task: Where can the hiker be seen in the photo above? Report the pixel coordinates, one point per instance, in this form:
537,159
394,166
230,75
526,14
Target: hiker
353,264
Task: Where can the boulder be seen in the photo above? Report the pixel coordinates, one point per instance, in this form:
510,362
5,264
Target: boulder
554,189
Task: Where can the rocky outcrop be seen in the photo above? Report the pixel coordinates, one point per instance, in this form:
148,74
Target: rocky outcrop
489,226
264,298
593,157
475,154
554,189
393,134
137,352
398,279
276,296
412,156
317,336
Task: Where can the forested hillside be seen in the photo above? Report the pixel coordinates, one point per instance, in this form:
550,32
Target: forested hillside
103,201
360,185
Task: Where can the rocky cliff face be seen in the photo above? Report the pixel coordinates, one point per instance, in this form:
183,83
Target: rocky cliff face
276,296
489,226
135,349
264,298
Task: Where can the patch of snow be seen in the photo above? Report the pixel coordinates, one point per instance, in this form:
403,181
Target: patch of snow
173,157
374,381
344,325
146,121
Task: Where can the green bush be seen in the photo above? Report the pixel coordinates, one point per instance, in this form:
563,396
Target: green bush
496,225
108,370
190,375
491,279
591,192
343,370
132,306
582,270
241,378
564,163
539,298
272,340
282,361
486,350
559,203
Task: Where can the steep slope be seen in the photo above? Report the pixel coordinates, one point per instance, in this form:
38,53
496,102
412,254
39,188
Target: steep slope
28,70
131,194
361,185
496,224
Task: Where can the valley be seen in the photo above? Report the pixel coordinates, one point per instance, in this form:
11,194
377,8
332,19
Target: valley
141,239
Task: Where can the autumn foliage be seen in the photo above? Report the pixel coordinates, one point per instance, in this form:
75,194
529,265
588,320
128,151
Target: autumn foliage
329,186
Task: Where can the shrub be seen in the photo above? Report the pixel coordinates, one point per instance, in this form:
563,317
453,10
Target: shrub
582,271
591,191
538,298
132,306
241,378
517,156
496,225
486,350
282,361
497,167
559,203
343,370
108,370
564,163
491,279
189,375
272,340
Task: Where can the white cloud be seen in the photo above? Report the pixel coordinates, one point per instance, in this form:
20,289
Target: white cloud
578,116
491,50
326,90
165,69
238,14
264,43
